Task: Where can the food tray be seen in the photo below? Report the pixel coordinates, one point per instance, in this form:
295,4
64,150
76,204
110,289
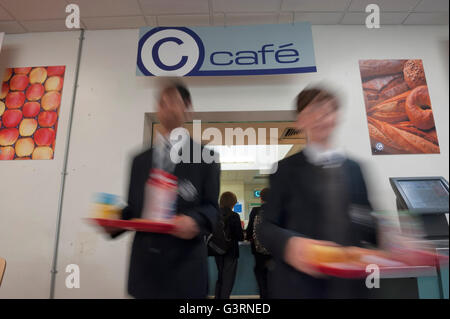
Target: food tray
424,265
136,225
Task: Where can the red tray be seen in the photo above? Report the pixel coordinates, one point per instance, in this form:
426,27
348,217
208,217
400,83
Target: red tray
136,225
349,271
426,262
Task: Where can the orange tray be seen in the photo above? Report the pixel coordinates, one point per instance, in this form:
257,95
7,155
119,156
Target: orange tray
424,266
136,225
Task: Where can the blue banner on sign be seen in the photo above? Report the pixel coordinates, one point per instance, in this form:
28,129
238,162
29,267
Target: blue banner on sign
219,51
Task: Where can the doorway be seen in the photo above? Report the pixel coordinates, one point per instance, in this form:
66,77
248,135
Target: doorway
241,174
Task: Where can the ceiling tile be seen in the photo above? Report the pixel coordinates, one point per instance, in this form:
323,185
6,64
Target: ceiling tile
218,19
184,20
5,16
432,6
244,19
47,25
151,21
107,8
319,17
108,23
11,27
391,18
152,7
315,5
385,5
246,5
437,18
386,18
35,9
285,17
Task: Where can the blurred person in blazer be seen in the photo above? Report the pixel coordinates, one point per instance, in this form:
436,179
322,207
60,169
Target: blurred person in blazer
172,265
312,196
227,263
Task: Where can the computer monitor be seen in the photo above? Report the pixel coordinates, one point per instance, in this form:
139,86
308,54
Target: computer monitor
422,194
427,198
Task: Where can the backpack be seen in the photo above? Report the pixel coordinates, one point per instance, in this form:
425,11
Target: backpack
258,246
219,241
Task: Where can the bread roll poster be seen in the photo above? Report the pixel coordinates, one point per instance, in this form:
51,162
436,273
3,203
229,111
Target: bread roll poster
398,107
30,100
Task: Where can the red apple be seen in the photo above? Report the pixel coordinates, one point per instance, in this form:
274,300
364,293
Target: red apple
24,146
2,108
38,75
22,70
31,109
35,92
42,153
12,118
8,136
44,136
6,153
54,83
47,119
27,127
7,75
51,101
5,90
55,70
19,82
14,100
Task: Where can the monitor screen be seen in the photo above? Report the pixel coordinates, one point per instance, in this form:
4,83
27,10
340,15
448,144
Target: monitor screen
423,194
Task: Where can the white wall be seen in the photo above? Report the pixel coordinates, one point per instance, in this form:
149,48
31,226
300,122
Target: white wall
29,189
108,128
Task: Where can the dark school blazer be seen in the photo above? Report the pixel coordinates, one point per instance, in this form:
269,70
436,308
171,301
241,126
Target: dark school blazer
314,202
161,265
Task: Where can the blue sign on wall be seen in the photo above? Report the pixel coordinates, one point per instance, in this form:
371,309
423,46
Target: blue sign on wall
219,51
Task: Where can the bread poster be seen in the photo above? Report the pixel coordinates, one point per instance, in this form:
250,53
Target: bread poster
398,107
2,34
30,100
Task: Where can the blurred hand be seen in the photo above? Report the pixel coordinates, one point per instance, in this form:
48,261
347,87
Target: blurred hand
185,227
298,251
111,230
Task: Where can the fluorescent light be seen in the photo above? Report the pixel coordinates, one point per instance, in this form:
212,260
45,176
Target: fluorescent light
250,157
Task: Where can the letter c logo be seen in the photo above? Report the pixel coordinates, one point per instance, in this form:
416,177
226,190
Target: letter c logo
170,51
155,54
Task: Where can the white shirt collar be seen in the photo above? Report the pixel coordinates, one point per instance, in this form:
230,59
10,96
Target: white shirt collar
319,155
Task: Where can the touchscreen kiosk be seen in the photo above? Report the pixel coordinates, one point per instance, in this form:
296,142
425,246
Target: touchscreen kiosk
427,198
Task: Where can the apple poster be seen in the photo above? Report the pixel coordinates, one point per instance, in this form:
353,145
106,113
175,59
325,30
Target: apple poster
30,100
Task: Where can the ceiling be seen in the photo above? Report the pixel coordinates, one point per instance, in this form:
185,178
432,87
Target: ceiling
20,16
270,138
247,177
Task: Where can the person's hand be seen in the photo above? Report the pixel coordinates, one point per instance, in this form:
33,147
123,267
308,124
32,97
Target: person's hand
298,254
111,230
185,227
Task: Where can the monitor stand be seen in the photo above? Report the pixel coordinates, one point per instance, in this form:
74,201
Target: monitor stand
435,226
